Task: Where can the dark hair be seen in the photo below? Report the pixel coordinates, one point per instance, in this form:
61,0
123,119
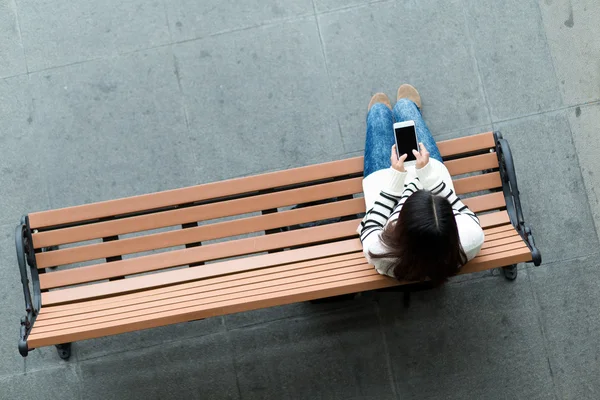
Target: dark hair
424,241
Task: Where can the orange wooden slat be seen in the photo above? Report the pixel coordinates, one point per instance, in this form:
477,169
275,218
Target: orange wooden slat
257,275
477,183
105,289
501,242
494,219
371,282
499,235
502,249
472,164
196,213
195,193
482,263
499,229
208,294
467,144
485,202
199,234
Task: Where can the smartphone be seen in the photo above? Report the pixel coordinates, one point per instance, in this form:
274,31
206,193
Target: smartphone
406,139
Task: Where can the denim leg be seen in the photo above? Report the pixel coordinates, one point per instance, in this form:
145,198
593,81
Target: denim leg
406,110
380,138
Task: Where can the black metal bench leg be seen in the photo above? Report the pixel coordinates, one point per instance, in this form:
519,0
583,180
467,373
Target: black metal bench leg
510,272
64,350
406,299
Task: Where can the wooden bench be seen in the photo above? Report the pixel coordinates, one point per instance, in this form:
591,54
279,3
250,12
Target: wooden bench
251,248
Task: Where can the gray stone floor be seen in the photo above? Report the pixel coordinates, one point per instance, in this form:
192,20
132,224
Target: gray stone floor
100,99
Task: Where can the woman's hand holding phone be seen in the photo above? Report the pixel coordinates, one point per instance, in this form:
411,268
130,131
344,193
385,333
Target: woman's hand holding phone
422,157
398,163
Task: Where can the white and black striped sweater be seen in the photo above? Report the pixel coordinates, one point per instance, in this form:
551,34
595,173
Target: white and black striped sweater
386,191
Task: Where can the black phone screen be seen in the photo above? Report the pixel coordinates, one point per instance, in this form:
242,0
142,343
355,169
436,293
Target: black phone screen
406,142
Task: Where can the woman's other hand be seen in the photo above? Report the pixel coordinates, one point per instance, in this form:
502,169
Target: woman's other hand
422,156
398,163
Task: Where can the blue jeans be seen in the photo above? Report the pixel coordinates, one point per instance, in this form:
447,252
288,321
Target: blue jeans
380,133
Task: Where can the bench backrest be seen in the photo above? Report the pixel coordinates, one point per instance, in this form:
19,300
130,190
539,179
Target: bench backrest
238,217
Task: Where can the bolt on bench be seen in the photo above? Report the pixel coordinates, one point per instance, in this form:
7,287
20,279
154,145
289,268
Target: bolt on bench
91,274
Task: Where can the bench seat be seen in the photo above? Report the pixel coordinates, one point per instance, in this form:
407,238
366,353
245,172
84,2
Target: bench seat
238,245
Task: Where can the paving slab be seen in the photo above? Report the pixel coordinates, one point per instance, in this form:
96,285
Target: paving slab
258,100
199,368
56,383
473,339
572,31
513,57
23,188
112,128
378,47
12,58
189,19
553,194
568,294
340,355
585,122
60,32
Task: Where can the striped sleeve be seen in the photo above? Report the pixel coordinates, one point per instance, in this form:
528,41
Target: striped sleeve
405,195
374,221
378,215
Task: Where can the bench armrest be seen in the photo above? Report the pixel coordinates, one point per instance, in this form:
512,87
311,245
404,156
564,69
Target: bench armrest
26,257
512,195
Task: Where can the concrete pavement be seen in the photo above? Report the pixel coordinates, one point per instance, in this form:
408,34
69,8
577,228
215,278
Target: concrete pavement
109,99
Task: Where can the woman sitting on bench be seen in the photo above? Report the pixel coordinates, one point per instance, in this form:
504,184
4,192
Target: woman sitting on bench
416,228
